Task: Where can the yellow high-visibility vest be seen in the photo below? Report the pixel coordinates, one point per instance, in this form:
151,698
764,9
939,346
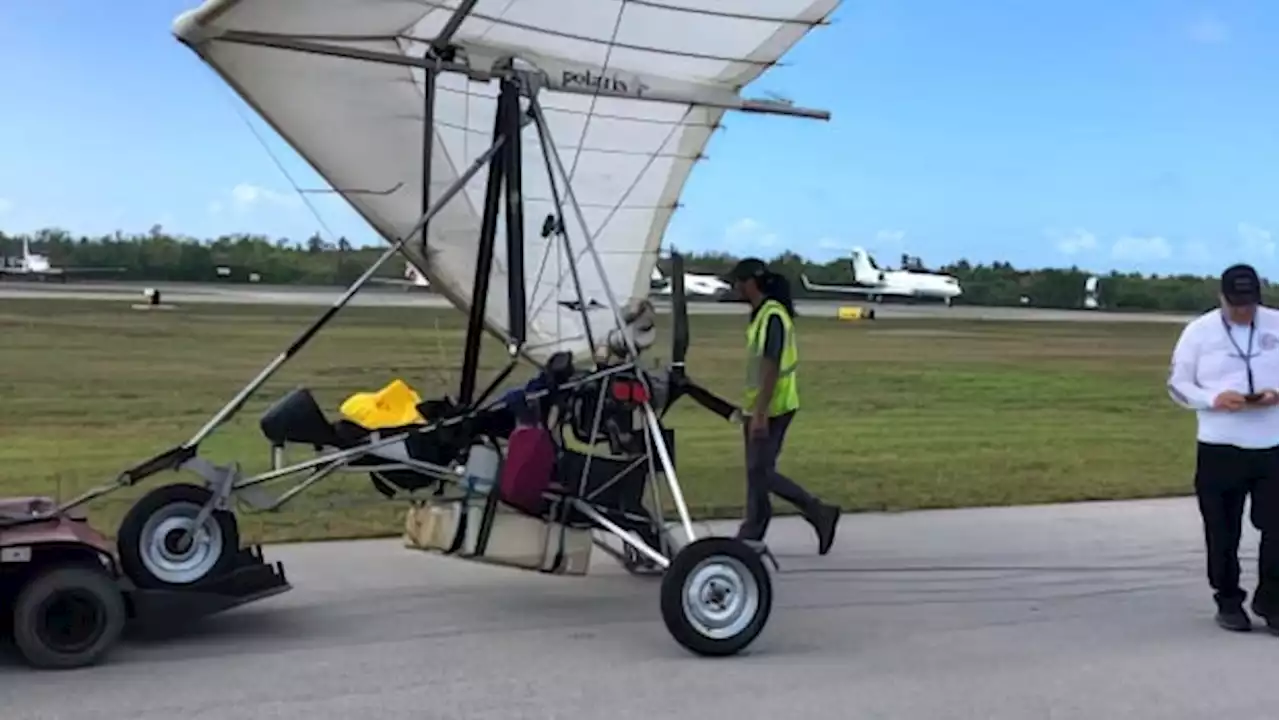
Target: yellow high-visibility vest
786,396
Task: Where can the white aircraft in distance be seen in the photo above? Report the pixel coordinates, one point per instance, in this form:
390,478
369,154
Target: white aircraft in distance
1092,293
870,281
695,285
413,279
38,266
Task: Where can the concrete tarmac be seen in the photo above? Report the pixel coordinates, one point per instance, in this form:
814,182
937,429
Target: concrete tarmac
374,296
1072,612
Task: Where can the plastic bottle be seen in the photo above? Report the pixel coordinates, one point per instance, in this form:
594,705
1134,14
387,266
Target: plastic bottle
482,469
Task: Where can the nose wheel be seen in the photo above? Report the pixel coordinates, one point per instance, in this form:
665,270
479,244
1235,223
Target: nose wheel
165,543
716,596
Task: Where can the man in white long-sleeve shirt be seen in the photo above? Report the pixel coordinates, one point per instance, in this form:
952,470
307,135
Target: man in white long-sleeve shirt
1225,368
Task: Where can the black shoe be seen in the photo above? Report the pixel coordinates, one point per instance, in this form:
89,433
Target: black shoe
1233,619
1271,625
824,522
1268,616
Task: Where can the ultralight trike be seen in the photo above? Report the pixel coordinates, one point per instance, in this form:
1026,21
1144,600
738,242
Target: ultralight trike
387,118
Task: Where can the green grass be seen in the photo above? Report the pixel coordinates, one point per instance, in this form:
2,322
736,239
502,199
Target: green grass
896,414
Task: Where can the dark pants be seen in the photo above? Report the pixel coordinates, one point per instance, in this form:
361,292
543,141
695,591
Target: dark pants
763,479
1225,477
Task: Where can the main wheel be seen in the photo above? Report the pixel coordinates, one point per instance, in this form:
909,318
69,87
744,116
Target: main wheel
68,617
716,596
152,551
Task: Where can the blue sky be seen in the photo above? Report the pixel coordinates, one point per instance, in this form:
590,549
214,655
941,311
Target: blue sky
1135,135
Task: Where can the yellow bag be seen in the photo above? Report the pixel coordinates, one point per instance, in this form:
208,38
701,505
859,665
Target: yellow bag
394,405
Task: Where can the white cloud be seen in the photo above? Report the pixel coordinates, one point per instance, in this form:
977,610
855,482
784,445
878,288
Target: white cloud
741,227
5,205
1197,253
1073,242
830,243
749,231
889,237
1138,249
1254,240
1208,30
246,197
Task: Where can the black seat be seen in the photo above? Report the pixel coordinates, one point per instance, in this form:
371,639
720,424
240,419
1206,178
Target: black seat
297,418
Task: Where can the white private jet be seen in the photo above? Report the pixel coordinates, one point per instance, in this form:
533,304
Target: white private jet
38,266
695,285
870,281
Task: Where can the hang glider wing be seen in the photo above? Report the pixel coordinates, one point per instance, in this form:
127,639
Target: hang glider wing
632,91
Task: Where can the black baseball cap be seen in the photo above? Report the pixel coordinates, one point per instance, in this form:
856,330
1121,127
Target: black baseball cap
746,269
1241,286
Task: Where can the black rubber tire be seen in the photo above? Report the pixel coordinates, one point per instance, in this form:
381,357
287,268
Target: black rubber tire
677,573
90,585
129,536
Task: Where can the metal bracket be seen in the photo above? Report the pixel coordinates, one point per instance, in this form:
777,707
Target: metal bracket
220,479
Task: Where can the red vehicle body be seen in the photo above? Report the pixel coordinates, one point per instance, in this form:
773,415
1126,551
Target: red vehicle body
64,601
59,585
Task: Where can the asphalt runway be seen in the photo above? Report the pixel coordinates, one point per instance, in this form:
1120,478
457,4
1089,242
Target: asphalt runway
1082,611
184,293
1067,612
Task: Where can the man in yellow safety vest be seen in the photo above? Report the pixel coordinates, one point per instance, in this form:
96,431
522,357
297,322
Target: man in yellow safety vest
771,402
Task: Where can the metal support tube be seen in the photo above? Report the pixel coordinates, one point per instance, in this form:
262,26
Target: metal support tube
428,144
442,41
513,179
669,469
484,261
711,98
545,141
294,491
658,558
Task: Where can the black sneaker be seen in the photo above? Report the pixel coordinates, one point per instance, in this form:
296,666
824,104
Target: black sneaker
1233,619
824,522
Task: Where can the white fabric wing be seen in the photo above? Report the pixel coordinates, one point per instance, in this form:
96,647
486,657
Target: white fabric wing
360,124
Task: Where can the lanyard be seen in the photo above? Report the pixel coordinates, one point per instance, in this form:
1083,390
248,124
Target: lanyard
1247,357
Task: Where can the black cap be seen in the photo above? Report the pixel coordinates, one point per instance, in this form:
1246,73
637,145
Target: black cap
1240,285
746,269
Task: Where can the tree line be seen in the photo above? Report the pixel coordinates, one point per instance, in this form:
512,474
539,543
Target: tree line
159,255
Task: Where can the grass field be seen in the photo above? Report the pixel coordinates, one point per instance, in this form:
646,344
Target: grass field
898,414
